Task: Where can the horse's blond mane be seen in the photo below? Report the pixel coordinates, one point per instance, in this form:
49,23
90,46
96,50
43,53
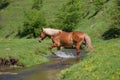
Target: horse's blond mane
51,31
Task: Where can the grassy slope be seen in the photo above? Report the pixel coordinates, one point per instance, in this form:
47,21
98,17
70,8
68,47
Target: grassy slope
28,51
12,17
51,7
103,63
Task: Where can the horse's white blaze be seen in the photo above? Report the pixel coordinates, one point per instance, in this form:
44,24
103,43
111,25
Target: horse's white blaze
51,31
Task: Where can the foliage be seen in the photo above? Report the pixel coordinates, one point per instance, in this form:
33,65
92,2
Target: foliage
4,3
74,11
33,22
68,17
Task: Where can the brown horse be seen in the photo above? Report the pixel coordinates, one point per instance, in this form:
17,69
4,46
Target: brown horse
62,38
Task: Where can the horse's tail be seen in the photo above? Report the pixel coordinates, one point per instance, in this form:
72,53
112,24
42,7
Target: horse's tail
88,42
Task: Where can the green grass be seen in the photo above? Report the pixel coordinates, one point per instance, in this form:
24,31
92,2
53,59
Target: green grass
28,51
12,17
51,8
102,64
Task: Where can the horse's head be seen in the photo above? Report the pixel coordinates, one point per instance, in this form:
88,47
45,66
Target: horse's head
42,36
48,32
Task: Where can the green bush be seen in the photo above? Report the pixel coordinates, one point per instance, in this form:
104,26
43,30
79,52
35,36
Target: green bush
34,20
4,3
68,17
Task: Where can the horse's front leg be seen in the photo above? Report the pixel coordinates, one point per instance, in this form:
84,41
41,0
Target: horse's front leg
54,45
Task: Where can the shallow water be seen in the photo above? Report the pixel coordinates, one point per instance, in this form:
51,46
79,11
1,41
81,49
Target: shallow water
46,71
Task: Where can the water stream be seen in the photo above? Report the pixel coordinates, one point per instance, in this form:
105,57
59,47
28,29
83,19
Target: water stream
46,71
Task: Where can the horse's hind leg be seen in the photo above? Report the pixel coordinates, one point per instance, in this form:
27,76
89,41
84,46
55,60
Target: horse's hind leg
78,50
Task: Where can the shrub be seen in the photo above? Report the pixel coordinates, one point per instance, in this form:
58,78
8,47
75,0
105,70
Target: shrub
34,20
68,17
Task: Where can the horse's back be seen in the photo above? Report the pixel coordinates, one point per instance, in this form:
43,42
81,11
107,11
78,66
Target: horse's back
77,33
77,36
72,35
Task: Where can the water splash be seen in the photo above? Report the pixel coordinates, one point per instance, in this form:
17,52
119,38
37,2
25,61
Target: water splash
69,53
64,54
